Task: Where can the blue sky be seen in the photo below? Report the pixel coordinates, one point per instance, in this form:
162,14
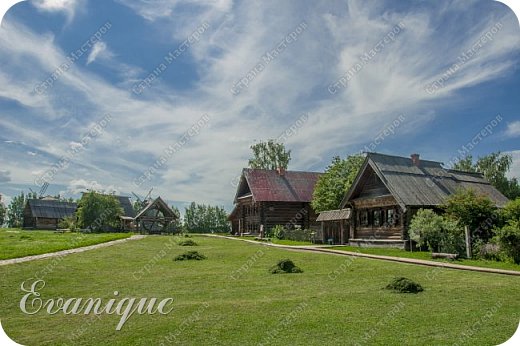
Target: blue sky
112,127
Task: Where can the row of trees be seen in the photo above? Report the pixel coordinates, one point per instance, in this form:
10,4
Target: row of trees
201,218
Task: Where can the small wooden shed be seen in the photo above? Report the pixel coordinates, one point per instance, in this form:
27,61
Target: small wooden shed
334,226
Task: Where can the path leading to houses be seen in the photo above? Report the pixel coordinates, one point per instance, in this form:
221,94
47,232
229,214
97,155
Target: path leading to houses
325,249
69,251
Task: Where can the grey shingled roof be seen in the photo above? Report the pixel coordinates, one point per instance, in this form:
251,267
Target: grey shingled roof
334,215
51,209
128,210
429,184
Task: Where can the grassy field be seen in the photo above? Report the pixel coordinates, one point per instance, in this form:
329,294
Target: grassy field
336,301
16,243
423,255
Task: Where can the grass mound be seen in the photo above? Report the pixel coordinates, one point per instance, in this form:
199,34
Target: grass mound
404,285
190,255
285,266
187,242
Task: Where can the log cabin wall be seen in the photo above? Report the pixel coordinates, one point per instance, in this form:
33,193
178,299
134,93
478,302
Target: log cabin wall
377,218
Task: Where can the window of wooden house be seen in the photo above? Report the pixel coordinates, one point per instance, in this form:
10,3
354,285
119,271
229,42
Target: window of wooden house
363,218
377,217
390,216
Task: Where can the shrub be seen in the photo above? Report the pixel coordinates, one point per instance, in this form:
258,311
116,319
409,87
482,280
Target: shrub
475,211
437,233
187,242
404,285
69,223
277,232
190,255
511,211
488,251
509,240
285,266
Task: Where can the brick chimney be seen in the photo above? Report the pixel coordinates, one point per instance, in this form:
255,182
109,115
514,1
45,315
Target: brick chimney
281,171
415,160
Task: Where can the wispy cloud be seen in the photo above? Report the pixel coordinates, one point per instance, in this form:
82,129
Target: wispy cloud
68,7
5,176
240,33
100,50
513,129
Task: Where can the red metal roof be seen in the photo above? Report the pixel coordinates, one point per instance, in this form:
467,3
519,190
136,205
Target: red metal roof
270,186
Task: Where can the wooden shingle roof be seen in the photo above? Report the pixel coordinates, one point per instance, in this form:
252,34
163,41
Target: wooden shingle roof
51,209
269,186
334,215
428,184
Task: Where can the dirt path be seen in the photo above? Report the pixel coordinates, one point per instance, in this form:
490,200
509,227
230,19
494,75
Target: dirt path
69,251
324,249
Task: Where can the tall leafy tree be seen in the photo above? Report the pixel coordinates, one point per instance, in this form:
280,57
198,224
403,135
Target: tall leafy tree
201,218
99,212
335,182
3,212
177,224
16,207
495,167
269,155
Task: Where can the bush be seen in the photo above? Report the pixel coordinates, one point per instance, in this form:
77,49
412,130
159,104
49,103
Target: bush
509,240
190,255
470,209
285,266
511,211
187,242
488,251
404,285
277,232
69,223
437,233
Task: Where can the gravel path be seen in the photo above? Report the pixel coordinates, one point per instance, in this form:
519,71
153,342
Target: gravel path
68,252
323,249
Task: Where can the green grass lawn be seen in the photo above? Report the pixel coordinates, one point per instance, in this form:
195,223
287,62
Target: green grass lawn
16,243
423,255
336,301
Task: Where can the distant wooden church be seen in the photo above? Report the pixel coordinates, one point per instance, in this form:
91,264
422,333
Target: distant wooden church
46,213
389,190
266,198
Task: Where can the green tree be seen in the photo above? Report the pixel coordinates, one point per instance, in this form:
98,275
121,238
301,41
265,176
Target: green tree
269,155
16,207
201,218
511,211
436,232
494,167
3,213
470,209
99,212
509,240
335,182
177,224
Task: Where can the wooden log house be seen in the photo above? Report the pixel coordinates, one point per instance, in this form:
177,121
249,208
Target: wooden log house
389,190
266,198
46,213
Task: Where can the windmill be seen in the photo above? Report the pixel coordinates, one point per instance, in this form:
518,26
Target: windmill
43,189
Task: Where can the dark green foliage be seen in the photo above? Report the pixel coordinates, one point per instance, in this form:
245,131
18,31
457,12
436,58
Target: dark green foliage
509,240
277,232
190,255
3,212
488,251
436,232
404,285
201,218
99,212
335,182
187,242
285,266
511,211
476,211
269,155
16,207
495,167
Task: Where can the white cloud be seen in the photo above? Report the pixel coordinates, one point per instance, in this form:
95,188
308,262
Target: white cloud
99,50
513,129
81,185
5,176
295,82
68,7
514,171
